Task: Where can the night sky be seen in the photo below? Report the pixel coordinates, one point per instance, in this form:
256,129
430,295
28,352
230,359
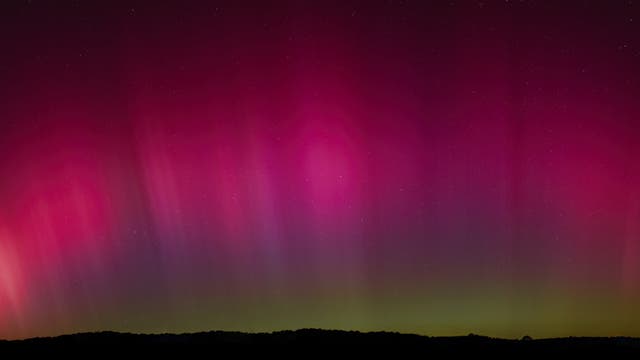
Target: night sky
434,167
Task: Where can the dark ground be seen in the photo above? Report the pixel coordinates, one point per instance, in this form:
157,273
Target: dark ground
311,342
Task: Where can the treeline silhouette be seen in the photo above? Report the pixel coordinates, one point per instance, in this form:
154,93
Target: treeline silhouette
314,342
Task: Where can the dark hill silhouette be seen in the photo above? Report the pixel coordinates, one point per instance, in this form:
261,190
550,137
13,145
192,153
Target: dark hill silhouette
309,342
